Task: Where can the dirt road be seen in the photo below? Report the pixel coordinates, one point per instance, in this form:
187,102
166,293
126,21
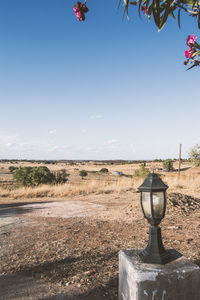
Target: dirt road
69,249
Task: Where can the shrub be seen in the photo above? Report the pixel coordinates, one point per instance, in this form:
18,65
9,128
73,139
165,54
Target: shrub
83,173
34,176
168,165
141,172
194,155
61,176
22,176
12,169
104,170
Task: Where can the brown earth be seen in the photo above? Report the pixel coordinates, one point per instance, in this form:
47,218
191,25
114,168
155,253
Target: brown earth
69,249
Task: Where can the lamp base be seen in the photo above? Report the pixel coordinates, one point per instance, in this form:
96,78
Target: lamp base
155,252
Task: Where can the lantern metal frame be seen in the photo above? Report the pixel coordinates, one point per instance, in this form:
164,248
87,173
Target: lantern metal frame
151,185
155,252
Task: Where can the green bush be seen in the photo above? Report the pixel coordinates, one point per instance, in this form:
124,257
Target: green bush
12,169
104,170
141,172
168,165
33,176
83,173
194,155
61,176
22,176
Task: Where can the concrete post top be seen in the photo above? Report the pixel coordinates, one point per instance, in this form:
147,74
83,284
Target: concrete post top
179,279
181,264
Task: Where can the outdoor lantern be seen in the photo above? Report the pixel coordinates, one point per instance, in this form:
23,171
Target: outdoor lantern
153,202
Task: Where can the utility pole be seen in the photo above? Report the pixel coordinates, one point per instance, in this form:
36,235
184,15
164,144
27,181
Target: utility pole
179,164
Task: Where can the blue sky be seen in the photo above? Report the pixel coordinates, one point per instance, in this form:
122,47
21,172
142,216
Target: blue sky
99,89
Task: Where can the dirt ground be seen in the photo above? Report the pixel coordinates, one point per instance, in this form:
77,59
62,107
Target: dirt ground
68,249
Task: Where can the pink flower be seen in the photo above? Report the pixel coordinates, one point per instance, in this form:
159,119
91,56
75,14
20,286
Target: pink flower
80,10
145,10
191,39
78,14
188,53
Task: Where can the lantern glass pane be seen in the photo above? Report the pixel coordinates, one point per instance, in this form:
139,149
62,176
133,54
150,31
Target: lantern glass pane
158,204
146,203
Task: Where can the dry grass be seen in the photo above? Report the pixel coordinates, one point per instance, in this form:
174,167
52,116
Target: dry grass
186,184
85,187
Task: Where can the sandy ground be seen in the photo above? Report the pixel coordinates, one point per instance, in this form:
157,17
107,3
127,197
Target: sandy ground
67,209
69,249
27,216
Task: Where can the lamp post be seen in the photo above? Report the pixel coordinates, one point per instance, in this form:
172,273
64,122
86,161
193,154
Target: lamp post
153,202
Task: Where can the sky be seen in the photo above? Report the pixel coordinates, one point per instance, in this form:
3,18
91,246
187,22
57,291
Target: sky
105,88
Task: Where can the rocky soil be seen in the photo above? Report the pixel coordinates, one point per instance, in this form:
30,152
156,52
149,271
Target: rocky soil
58,253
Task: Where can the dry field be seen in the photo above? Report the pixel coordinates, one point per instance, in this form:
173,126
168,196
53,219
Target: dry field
187,183
68,236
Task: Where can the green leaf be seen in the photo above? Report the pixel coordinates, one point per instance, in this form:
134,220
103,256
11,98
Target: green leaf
194,65
196,45
164,18
172,15
188,2
156,12
139,6
199,19
179,18
196,53
120,1
149,11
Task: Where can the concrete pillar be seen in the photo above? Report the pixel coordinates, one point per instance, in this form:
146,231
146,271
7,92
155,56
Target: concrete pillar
177,280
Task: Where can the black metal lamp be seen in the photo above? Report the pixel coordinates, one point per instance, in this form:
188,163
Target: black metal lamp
153,202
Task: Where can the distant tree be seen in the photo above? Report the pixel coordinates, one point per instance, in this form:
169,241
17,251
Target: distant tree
168,165
61,176
12,169
22,176
104,170
194,155
83,173
42,175
34,176
141,172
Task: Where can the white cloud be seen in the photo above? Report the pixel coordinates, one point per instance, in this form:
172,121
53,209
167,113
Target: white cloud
94,149
53,131
20,146
83,130
9,145
112,142
54,148
7,138
59,148
96,117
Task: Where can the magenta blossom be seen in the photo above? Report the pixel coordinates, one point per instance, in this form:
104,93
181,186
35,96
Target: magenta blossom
188,53
145,10
80,10
78,13
191,39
